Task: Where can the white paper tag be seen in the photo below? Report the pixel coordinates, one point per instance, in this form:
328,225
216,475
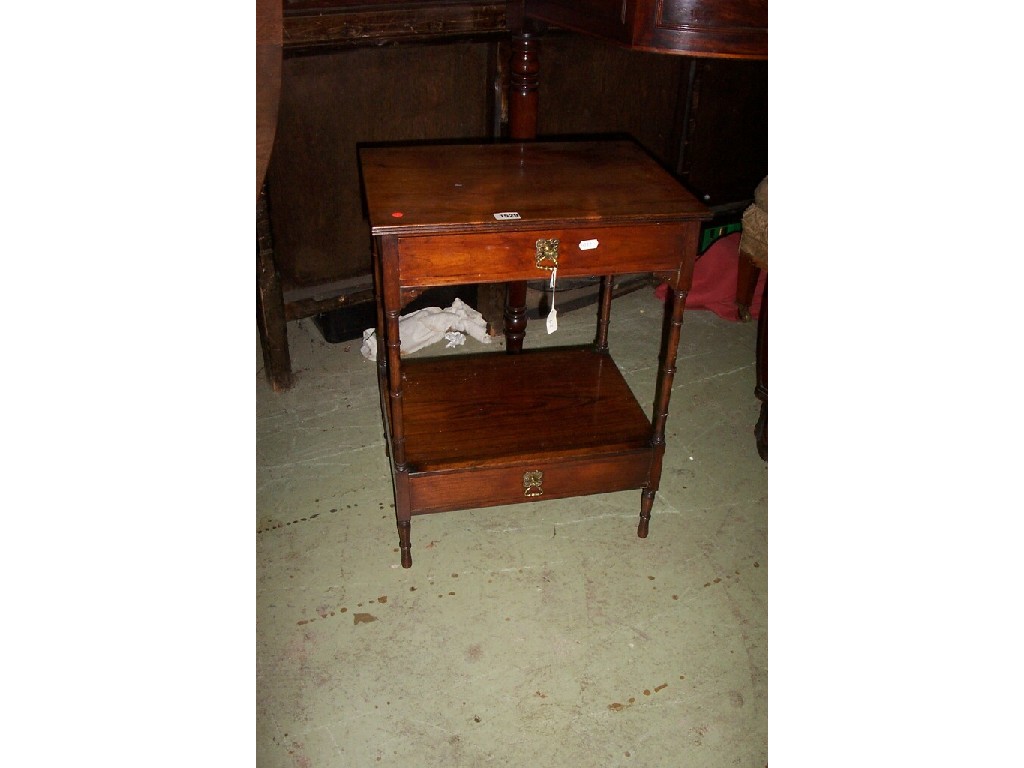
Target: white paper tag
588,245
552,322
504,215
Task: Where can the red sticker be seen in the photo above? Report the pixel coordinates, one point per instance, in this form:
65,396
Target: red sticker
397,214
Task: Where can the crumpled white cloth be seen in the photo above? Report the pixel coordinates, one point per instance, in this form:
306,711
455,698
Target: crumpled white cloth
427,326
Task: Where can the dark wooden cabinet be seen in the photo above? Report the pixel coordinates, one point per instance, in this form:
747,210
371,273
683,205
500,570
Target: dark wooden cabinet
706,28
723,150
721,125
268,82
320,26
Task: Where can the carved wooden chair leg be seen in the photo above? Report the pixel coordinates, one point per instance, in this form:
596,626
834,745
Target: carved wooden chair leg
746,281
761,389
270,314
754,249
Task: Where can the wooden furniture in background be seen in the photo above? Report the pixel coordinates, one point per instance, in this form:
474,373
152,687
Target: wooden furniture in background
761,387
705,28
747,276
325,26
373,78
712,29
269,32
481,430
273,336
754,252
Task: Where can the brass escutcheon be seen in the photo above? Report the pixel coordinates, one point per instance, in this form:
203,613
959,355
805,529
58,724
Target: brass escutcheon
547,250
532,482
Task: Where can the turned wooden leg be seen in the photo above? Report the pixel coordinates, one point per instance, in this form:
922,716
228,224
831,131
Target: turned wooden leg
746,281
270,317
604,313
388,317
404,542
761,389
666,372
646,504
515,317
524,79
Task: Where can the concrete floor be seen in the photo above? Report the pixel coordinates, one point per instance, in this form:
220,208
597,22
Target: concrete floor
540,634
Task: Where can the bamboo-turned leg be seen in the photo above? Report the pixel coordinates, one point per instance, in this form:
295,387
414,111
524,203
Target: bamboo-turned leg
396,427
666,372
399,470
382,355
404,542
646,504
603,314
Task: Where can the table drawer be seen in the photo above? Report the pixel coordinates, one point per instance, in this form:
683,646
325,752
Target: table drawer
519,482
479,258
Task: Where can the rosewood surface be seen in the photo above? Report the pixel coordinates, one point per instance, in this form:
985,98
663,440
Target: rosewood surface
458,188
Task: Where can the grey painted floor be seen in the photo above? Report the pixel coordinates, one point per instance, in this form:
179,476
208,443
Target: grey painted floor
540,634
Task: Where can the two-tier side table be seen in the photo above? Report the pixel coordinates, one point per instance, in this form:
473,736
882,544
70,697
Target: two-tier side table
479,430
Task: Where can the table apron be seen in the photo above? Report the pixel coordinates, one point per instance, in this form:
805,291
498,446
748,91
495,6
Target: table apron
452,259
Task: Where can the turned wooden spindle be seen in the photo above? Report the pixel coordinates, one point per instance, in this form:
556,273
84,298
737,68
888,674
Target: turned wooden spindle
604,313
675,302
522,126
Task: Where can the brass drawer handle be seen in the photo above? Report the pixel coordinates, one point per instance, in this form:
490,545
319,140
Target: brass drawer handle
532,482
547,250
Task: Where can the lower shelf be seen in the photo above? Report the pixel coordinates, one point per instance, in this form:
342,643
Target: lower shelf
479,427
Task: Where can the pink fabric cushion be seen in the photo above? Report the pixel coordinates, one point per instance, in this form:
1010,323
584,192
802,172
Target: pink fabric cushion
714,280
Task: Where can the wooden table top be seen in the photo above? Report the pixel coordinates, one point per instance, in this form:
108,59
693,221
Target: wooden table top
425,189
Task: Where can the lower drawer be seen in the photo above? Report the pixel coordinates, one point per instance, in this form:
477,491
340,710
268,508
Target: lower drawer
514,483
